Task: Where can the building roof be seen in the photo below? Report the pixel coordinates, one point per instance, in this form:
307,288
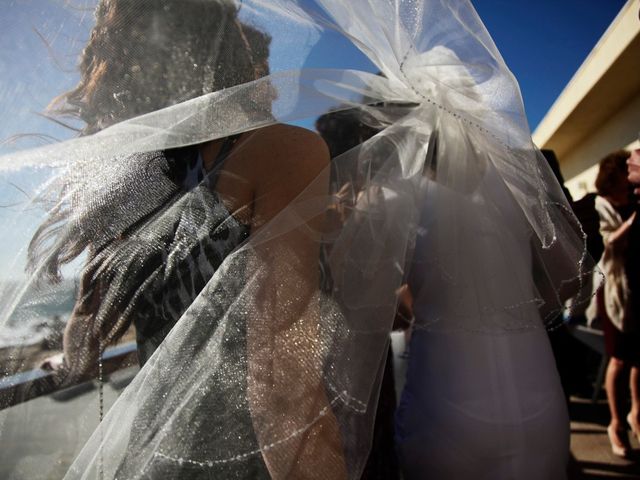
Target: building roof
608,80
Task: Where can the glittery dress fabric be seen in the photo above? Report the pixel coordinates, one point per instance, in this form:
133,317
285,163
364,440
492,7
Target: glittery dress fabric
221,419
164,303
202,233
262,289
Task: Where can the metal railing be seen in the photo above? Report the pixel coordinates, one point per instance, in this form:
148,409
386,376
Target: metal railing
24,386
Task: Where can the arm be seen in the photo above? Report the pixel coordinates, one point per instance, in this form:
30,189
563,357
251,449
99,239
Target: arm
404,313
633,165
89,330
80,343
296,429
614,234
620,234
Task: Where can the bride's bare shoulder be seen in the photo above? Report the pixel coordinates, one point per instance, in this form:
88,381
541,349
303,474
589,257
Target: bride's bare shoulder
281,162
282,146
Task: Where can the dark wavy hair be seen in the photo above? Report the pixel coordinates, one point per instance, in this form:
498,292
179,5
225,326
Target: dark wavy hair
612,171
144,55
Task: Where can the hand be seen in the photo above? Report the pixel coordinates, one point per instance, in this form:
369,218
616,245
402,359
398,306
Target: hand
404,314
633,169
53,363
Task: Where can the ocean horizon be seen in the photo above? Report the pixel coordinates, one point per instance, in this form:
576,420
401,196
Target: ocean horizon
31,313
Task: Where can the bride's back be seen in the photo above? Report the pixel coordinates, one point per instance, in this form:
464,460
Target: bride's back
481,390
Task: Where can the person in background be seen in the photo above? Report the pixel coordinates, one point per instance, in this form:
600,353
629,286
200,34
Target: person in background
633,261
613,305
572,356
633,170
343,130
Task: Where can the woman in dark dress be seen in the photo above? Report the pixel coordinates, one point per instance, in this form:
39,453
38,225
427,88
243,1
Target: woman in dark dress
613,303
161,227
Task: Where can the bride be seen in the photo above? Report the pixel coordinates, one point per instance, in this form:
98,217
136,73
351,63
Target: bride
482,397
260,275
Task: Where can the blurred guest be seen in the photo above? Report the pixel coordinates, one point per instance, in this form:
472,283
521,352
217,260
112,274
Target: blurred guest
633,166
621,324
552,160
342,131
633,260
585,210
571,356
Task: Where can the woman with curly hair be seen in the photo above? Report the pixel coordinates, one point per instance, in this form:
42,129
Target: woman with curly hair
621,323
158,225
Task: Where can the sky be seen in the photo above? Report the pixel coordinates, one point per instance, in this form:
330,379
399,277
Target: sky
544,42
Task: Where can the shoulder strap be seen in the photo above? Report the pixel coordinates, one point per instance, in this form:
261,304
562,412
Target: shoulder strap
224,152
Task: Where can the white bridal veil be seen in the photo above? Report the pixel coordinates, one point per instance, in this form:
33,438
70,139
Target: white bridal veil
274,363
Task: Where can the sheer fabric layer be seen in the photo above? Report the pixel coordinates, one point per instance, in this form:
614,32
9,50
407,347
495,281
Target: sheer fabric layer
273,369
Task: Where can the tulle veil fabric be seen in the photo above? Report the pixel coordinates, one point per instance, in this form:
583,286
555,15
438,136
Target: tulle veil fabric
292,329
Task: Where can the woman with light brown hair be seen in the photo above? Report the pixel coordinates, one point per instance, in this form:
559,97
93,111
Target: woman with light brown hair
613,303
189,209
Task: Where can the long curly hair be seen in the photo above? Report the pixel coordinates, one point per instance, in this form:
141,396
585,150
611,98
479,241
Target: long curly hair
612,173
144,55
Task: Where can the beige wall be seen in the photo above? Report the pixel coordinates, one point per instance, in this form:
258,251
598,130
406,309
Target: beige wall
580,166
584,182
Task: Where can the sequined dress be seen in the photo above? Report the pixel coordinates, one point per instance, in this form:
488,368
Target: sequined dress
204,233
205,438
